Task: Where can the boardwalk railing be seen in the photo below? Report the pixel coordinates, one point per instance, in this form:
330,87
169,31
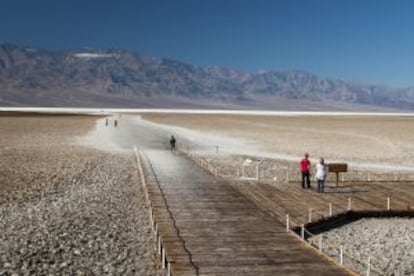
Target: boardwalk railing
299,228
276,170
162,254
287,174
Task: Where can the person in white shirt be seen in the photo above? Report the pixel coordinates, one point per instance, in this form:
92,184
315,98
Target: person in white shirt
321,171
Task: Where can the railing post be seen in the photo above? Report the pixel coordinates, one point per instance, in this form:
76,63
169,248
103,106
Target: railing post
168,269
302,231
320,245
349,204
310,215
151,218
159,244
369,267
156,232
330,209
388,203
341,255
163,257
287,223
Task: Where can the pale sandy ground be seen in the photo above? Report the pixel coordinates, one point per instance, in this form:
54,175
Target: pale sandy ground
68,209
375,143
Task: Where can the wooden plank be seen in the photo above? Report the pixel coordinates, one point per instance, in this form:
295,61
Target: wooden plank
208,225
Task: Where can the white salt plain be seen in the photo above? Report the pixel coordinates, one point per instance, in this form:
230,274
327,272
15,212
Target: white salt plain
388,242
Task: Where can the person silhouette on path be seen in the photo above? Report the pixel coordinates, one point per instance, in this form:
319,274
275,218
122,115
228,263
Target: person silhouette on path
172,143
304,169
321,171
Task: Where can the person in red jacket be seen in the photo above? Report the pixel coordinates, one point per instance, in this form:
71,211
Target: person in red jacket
304,169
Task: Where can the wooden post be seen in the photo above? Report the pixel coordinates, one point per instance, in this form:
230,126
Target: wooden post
369,267
159,245
287,223
310,215
151,218
168,269
302,231
341,255
337,179
388,203
163,257
156,232
330,209
320,243
349,204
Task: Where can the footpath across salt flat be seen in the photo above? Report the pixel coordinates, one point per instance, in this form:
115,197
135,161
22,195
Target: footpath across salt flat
210,228
153,139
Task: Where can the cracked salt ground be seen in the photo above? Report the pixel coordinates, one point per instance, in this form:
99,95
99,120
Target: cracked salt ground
388,242
135,131
69,210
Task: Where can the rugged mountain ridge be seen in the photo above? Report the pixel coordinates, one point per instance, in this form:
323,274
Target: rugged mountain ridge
112,77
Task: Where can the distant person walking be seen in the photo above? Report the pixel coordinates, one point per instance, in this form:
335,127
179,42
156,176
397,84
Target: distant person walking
304,169
115,123
106,122
172,143
321,172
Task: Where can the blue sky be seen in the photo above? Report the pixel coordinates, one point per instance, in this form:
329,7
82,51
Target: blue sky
368,41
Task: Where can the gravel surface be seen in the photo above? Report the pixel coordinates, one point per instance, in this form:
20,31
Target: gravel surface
388,242
67,209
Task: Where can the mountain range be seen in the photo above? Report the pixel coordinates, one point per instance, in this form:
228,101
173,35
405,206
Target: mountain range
123,78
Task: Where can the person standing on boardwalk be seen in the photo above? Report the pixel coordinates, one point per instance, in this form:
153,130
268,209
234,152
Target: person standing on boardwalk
304,169
172,143
321,171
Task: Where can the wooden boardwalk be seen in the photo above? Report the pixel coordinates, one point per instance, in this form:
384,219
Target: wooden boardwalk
279,199
208,227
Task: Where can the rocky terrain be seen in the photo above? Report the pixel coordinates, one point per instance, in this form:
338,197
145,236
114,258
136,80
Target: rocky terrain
388,242
122,78
67,209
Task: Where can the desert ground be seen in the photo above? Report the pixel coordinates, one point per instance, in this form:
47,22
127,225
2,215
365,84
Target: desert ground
71,200
67,209
372,142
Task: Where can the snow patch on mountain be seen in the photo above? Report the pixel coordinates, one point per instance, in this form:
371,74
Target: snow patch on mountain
93,55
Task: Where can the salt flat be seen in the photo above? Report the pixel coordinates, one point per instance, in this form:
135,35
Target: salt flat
374,142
